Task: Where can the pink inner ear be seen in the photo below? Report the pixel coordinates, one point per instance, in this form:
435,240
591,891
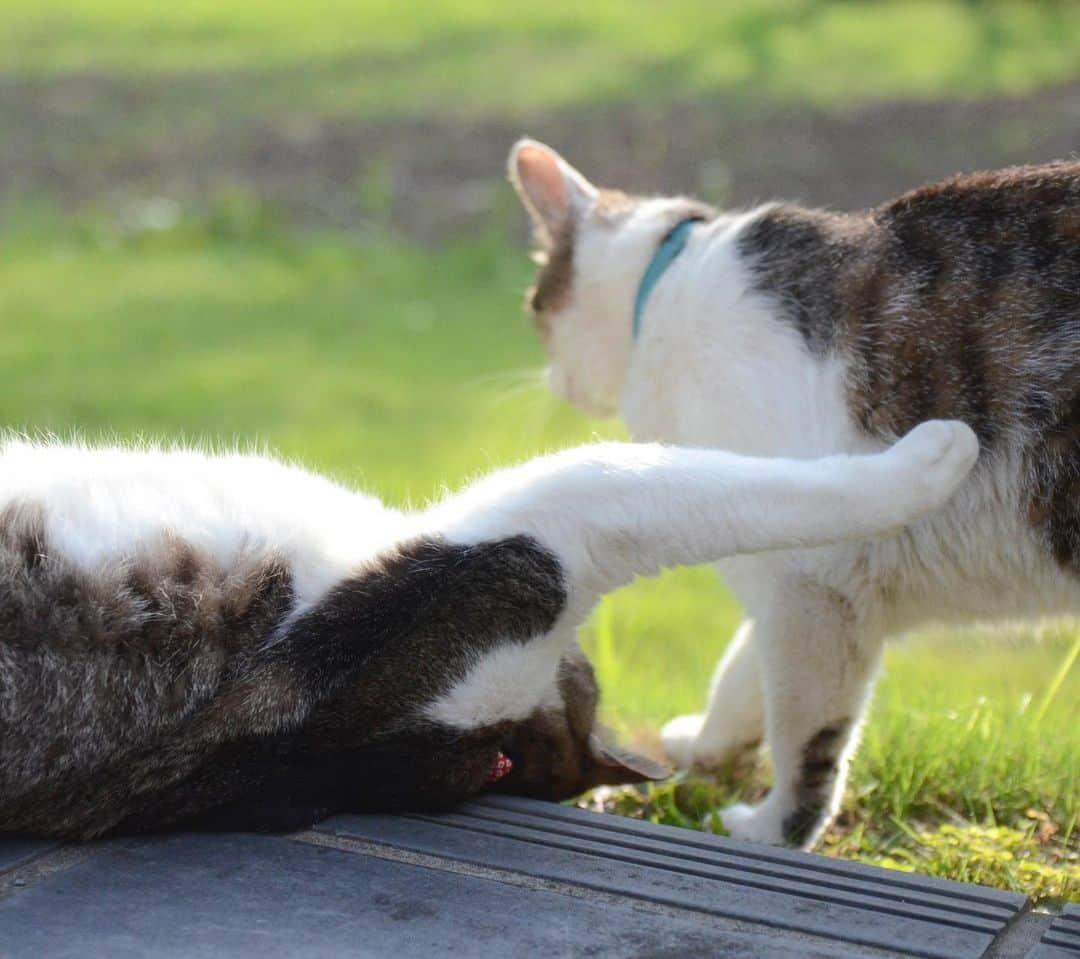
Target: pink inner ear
542,180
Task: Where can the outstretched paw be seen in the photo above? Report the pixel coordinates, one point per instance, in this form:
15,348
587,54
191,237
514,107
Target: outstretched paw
942,452
929,463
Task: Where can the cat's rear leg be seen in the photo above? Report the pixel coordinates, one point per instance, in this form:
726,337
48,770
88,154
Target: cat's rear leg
818,668
734,720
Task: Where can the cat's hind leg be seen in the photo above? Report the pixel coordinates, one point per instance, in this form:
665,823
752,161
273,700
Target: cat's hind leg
734,720
818,668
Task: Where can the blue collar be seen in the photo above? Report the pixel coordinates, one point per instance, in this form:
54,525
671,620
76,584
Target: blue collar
671,246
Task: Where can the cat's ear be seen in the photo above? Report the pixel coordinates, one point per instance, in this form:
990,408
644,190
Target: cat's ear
614,766
553,192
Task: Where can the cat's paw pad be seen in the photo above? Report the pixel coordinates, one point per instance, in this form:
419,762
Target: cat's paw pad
753,823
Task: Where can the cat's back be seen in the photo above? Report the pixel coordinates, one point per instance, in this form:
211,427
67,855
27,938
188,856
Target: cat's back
991,238
1009,198
958,299
99,506
972,304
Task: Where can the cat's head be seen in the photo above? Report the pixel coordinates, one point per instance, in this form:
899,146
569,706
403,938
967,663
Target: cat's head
594,246
556,752
559,751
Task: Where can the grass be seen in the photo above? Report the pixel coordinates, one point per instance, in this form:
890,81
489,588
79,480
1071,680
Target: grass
369,359
969,766
404,370
476,57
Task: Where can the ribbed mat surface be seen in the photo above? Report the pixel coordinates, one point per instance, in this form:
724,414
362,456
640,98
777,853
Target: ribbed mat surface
495,878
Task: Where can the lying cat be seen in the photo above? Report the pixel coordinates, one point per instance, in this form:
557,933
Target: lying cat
229,642
793,332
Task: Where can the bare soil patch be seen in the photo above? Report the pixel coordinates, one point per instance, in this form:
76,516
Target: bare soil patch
102,141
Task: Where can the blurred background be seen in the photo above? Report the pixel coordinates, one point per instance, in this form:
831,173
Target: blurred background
287,225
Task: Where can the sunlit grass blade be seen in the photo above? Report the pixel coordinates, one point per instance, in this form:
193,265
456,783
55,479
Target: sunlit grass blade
1058,681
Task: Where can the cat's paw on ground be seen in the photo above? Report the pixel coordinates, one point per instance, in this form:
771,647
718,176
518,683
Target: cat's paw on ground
679,737
688,745
758,823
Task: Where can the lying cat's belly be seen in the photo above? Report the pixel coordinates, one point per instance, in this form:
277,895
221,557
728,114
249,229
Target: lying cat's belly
102,507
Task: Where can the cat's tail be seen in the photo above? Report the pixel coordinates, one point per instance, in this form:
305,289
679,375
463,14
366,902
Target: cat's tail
612,511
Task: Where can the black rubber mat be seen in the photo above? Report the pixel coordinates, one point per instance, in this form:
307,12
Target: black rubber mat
497,878
844,903
1062,939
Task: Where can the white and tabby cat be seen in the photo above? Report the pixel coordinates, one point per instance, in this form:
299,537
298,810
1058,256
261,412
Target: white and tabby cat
783,331
227,641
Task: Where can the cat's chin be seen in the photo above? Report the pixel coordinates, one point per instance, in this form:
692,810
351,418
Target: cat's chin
564,388
597,409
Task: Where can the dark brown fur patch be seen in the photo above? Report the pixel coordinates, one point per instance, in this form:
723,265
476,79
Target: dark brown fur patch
817,777
555,280
375,651
550,750
557,752
959,300
100,672
554,284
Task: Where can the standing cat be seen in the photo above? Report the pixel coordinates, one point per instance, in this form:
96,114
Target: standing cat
796,332
227,641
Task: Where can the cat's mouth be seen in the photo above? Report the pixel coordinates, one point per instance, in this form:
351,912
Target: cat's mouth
501,767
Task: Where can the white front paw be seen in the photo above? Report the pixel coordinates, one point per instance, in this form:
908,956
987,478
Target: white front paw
934,459
753,823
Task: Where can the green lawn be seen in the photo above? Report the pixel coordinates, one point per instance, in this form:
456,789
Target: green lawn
479,56
404,368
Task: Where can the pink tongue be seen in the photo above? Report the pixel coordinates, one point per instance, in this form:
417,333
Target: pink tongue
503,765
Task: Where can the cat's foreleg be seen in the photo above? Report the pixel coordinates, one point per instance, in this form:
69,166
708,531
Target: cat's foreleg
612,511
599,515
818,668
734,719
